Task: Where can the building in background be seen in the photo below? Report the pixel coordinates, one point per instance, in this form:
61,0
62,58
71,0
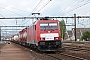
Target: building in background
79,31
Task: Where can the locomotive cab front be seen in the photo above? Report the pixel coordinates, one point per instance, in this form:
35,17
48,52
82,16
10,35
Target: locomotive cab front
49,35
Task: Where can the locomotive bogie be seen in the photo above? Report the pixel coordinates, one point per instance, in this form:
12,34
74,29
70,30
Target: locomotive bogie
49,45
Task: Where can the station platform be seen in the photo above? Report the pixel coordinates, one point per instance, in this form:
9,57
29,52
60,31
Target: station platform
13,52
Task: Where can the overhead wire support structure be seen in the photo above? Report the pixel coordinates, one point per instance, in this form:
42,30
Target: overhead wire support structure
75,17
75,26
14,26
11,29
44,17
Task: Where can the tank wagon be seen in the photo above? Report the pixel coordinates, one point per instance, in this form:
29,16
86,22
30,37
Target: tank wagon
43,35
15,38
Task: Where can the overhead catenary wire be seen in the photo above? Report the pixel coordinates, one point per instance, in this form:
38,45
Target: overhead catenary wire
13,11
3,7
73,3
43,6
1,15
1,21
37,5
40,5
10,11
54,1
15,8
80,6
67,6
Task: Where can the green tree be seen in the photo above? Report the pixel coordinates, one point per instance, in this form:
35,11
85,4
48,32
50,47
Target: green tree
86,35
62,28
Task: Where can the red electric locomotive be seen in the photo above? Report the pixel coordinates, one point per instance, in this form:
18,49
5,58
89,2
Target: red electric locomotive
44,35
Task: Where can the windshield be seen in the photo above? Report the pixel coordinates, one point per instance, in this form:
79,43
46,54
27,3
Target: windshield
46,26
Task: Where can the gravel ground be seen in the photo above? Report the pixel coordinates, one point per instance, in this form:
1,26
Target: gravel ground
2,44
13,52
41,56
79,53
34,55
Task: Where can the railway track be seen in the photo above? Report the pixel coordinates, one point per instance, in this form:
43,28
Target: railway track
55,56
52,56
80,50
77,48
63,56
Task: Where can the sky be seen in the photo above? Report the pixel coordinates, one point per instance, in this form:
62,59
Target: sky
25,8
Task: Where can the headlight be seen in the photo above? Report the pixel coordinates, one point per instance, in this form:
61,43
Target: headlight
56,38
